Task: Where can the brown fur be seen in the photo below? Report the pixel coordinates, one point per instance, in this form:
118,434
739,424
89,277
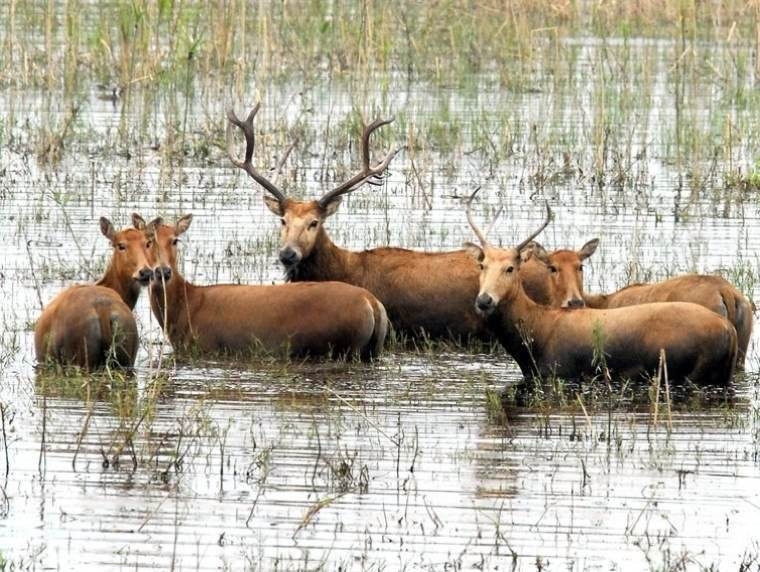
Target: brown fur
712,292
700,346
566,283
86,324
555,279
308,319
424,293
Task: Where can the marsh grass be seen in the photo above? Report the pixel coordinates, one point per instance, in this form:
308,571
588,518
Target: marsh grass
603,110
125,41
172,64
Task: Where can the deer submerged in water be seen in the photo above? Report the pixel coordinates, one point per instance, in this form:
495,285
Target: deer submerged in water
560,273
302,319
91,325
699,345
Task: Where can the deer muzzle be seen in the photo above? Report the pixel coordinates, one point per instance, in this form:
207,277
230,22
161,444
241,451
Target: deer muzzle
144,275
485,304
162,274
290,256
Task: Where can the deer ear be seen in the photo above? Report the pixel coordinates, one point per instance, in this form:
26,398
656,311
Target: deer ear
106,227
274,205
183,224
536,250
331,207
588,249
150,228
138,222
474,250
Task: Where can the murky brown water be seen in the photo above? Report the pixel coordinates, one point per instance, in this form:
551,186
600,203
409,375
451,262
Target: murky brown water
400,464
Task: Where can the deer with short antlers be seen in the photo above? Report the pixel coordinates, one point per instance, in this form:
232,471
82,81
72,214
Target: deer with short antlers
91,325
699,345
425,293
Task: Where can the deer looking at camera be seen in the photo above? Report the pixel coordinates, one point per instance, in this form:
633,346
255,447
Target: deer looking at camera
91,325
425,293
700,345
303,319
563,285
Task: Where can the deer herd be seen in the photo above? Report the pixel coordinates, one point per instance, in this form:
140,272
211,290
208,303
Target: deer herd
341,303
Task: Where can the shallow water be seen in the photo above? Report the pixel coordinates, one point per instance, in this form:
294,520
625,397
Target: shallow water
400,464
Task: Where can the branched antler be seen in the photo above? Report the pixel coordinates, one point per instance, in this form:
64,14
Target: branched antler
250,140
368,171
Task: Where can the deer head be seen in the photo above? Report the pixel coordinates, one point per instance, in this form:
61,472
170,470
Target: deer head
302,221
130,251
499,267
565,273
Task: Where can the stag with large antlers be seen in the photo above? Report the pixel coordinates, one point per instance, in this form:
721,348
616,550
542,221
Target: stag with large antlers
699,345
425,293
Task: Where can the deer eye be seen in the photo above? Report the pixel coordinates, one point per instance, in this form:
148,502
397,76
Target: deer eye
122,246
482,267
313,224
148,243
175,241
282,220
580,268
553,269
510,269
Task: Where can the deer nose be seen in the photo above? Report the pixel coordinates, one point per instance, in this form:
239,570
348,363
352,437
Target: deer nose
145,275
576,303
484,303
289,256
162,273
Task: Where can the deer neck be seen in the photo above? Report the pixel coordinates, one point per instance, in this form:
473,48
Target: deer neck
516,322
171,306
128,290
326,262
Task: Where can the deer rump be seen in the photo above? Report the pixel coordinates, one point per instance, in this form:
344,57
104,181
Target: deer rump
87,326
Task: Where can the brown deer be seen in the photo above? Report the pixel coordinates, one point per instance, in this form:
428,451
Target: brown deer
555,279
304,319
565,288
91,325
425,293
700,345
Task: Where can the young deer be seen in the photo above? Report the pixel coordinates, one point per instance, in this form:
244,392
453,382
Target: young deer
303,319
88,325
699,345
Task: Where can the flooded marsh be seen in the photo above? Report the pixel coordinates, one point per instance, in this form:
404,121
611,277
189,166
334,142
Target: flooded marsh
639,128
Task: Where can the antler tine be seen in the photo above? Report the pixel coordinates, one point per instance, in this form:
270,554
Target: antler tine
250,141
368,130
525,242
368,171
468,212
